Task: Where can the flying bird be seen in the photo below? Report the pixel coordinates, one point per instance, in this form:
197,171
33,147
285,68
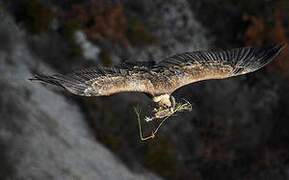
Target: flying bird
160,80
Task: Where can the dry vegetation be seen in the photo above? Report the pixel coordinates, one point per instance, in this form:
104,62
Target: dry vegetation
267,30
98,19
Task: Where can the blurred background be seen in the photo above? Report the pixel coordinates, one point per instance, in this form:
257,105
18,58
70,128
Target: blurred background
238,128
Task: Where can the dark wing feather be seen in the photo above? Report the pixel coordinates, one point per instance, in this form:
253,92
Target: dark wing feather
191,67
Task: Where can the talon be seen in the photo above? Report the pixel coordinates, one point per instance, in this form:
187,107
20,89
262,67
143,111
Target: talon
153,135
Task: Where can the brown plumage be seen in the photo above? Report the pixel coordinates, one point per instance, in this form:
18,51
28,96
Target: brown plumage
162,79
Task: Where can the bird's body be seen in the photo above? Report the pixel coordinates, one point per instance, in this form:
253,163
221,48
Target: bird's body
160,80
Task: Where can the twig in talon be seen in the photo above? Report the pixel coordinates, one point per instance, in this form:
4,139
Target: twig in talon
153,135
163,113
137,111
159,114
148,119
184,107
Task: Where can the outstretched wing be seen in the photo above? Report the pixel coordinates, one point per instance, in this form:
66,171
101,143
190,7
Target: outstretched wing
191,67
168,75
101,81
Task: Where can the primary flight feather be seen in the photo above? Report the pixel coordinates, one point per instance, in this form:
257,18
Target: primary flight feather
162,79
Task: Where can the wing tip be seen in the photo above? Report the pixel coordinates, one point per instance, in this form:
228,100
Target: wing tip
36,77
46,79
281,46
273,51
69,84
262,56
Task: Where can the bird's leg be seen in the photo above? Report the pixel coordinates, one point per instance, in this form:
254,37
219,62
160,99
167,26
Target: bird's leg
162,110
165,109
173,102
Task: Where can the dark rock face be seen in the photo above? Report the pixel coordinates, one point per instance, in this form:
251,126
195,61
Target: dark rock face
42,134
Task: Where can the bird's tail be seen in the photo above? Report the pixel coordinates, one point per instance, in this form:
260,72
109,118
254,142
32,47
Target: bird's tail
72,84
253,58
